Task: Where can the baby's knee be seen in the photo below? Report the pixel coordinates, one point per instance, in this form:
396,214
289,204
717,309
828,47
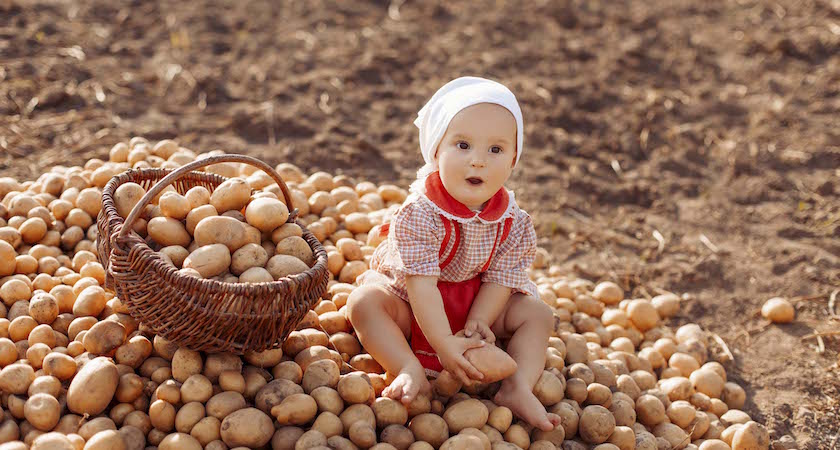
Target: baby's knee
355,305
362,303
540,313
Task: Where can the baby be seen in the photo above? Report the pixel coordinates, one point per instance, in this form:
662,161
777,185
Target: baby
456,257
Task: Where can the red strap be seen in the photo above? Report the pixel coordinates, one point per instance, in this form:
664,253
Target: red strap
496,242
508,226
448,226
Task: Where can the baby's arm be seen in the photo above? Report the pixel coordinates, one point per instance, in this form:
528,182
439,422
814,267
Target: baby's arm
488,305
427,307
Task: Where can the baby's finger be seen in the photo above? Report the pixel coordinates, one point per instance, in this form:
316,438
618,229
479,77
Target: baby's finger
488,334
472,343
459,373
471,328
470,370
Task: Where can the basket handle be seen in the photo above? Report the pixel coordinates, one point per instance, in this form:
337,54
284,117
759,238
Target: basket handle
183,170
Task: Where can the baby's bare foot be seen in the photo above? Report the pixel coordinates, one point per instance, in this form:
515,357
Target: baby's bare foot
524,404
410,382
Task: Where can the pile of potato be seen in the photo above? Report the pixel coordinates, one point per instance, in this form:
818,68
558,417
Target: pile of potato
78,372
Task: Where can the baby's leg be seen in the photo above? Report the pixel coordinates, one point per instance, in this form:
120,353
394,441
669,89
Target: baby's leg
528,322
383,322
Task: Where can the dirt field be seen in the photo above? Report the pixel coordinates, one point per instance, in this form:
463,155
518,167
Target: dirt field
685,146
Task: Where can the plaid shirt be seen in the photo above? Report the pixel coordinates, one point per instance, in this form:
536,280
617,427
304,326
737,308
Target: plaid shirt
417,232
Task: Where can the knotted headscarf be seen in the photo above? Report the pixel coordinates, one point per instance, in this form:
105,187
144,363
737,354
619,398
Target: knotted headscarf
433,119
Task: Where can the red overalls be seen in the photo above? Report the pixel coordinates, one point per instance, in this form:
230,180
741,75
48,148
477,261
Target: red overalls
457,296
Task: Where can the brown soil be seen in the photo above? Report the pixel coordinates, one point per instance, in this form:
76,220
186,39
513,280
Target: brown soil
672,119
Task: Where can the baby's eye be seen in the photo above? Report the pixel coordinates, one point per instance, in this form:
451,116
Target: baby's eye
463,145
496,149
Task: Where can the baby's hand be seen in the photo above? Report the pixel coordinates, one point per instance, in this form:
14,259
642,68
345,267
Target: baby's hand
451,354
477,327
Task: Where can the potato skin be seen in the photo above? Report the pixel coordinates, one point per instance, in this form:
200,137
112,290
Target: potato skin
266,214
16,378
596,424
233,194
104,337
126,196
491,361
751,435
675,435
466,414
429,428
209,260
297,247
93,387
167,231
109,440
778,310
246,257
42,411
280,266
247,427
221,230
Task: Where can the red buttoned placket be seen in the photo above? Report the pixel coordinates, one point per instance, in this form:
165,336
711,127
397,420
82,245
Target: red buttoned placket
457,296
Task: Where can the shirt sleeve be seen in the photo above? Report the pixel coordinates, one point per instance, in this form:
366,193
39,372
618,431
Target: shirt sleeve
413,232
509,266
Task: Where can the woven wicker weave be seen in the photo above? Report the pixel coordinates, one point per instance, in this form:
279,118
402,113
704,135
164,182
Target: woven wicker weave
201,314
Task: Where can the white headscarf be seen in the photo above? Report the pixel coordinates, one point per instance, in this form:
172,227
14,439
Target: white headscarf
433,119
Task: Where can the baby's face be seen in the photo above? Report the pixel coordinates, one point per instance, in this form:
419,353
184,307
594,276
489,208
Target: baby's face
476,154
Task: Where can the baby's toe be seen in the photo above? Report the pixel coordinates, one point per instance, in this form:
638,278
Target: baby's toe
545,425
409,391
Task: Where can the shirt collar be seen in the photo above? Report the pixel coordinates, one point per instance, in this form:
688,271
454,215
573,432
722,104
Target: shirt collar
492,212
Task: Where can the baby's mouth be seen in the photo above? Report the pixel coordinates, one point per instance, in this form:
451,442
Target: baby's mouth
475,181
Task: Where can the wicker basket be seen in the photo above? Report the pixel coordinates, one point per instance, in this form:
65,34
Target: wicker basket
201,314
